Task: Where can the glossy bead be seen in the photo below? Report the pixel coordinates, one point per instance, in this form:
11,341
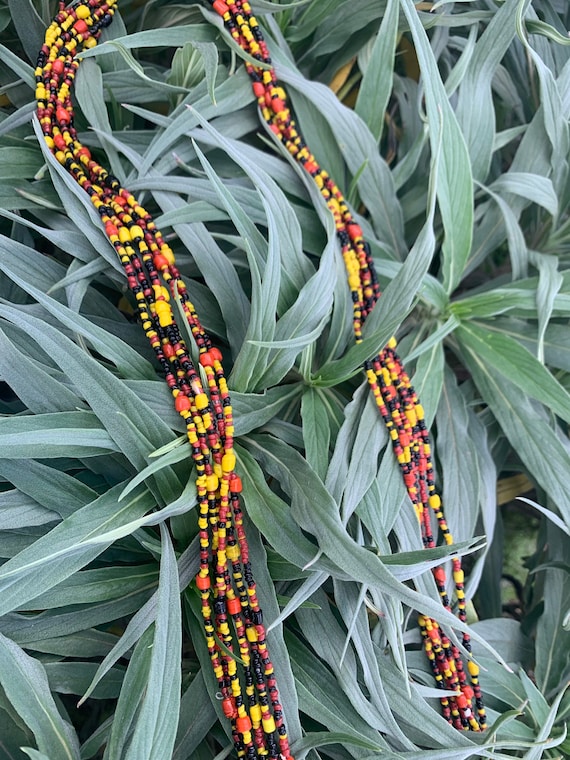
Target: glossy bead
181,403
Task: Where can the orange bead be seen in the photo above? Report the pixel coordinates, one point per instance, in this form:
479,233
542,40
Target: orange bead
206,359
203,582
258,89
243,724
160,261
462,702
110,229
439,575
216,354
57,67
220,7
80,26
234,606
182,403
277,105
354,230
62,115
236,485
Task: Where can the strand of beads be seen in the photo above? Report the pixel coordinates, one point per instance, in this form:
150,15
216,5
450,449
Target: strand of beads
390,385
232,617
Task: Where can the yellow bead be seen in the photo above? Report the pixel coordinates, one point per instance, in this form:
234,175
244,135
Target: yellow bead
473,669
251,634
268,725
163,313
136,232
166,251
82,11
124,235
434,501
255,715
201,401
420,412
233,552
458,576
211,482
228,462
412,417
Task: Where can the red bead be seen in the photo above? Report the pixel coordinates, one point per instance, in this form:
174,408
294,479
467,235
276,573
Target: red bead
409,479
234,606
181,403
439,575
220,7
354,230
203,582
62,115
110,229
160,261
206,359
468,692
216,354
310,166
57,67
80,26
236,485
277,105
168,351
229,708
433,633
83,152
462,702
59,142
258,89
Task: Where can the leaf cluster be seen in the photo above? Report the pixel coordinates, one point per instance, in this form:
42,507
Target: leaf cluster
447,126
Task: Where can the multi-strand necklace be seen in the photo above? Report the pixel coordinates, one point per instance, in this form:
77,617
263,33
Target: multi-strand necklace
232,618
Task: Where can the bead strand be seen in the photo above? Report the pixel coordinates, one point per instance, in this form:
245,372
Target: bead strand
395,397
232,617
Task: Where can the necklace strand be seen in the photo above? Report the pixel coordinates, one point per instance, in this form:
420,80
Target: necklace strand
389,383
225,580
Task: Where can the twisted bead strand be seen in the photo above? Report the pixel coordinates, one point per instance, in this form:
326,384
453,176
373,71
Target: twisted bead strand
389,383
232,617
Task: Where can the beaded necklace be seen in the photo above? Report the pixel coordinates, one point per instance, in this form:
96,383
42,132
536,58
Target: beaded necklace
225,580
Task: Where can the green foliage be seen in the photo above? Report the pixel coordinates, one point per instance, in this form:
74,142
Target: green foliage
467,169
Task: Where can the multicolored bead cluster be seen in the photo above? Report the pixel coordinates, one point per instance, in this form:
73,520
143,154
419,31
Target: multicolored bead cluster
231,614
232,617
394,395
